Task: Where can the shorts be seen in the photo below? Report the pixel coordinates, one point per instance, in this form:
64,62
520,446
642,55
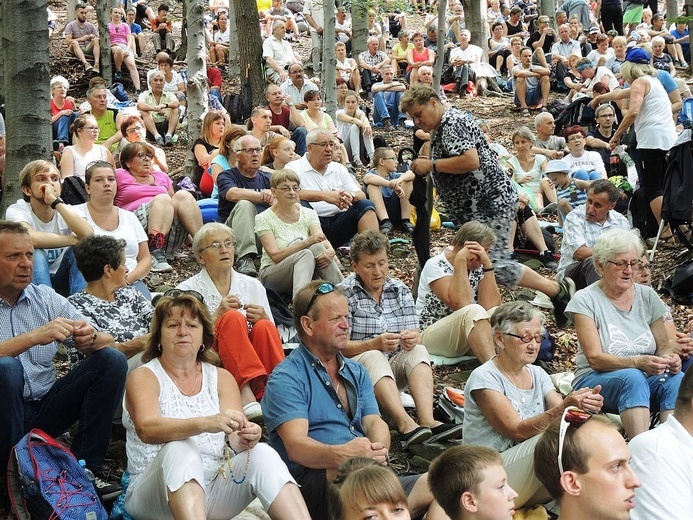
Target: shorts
633,15
532,97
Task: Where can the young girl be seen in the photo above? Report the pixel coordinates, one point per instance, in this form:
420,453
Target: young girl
365,489
353,126
528,168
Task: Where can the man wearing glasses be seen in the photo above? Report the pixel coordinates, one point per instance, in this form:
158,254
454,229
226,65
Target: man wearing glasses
581,229
244,191
330,415
583,461
296,85
332,191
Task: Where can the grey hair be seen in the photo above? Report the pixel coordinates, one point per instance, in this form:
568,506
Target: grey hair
208,229
316,133
59,80
426,67
525,132
509,314
276,23
540,117
372,39
615,242
473,231
155,74
238,143
602,108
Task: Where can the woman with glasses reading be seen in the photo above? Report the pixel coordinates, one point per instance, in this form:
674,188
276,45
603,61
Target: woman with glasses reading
295,249
246,338
623,343
84,149
509,400
165,215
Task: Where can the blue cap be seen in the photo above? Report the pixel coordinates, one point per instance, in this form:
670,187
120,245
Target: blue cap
638,55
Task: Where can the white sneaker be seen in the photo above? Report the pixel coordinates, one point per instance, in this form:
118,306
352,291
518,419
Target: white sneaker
159,262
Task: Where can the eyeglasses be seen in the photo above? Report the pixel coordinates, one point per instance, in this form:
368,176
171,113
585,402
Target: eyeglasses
92,128
144,156
287,189
393,158
636,265
323,288
527,338
216,246
577,137
328,144
175,293
134,129
250,151
572,416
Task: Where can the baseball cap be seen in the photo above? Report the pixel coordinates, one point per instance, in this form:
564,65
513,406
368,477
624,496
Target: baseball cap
557,166
594,30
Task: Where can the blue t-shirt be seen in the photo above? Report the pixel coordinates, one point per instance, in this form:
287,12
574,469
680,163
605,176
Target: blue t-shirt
685,46
135,28
234,179
300,388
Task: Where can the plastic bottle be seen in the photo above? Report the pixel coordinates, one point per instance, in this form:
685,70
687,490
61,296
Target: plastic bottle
87,471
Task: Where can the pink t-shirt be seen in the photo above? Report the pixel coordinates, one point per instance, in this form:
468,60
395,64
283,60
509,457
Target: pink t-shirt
131,194
119,33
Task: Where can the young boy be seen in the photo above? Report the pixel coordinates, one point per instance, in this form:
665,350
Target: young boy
163,30
469,482
570,192
389,191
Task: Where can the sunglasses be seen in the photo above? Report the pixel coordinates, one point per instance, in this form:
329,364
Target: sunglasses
323,288
175,293
572,416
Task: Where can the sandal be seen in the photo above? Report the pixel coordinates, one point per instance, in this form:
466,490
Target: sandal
526,113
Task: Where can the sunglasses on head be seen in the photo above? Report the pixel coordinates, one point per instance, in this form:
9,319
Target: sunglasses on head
175,293
572,416
323,288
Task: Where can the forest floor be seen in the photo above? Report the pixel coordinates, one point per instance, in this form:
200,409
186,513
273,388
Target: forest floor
503,121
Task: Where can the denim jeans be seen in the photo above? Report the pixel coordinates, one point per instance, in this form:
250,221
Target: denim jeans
298,136
89,393
386,105
61,129
66,281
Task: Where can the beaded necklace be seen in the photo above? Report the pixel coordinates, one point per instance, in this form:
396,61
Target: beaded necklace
227,461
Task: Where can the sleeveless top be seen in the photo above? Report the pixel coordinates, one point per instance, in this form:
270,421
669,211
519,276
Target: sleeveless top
654,131
420,57
174,404
97,153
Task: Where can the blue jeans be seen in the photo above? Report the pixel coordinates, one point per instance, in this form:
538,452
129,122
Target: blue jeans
298,136
631,388
61,129
66,281
386,105
584,175
89,393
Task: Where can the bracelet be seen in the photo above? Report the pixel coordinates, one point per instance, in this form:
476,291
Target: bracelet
434,165
56,202
487,269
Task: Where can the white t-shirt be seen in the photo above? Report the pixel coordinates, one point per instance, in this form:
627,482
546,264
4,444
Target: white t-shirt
169,86
223,37
20,211
589,161
129,229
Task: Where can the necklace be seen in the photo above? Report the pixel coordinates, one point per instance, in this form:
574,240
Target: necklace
338,390
227,460
516,382
192,389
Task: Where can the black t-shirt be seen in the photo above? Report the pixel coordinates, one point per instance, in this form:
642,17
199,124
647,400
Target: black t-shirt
548,41
513,29
198,169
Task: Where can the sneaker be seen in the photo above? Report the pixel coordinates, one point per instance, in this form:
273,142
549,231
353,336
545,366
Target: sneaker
549,209
245,265
168,141
560,301
159,140
387,124
159,262
96,69
407,227
548,260
253,411
107,491
445,432
117,76
416,436
386,227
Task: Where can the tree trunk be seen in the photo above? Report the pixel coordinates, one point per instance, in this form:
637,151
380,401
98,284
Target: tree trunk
329,61
2,59
440,55
234,54
250,48
359,28
475,22
70,14
182,51
197,76
673,11
548,8
27,91
103,13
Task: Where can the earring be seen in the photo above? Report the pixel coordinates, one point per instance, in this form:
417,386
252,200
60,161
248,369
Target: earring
159,347
202,347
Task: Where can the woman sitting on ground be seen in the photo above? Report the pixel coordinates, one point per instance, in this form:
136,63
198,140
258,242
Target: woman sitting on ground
498,48
353,128
213,126
109,302
191,452
108,219
584,165
418,56
246,340
62,110
528,169
623,344
510,401
119,32
133,131
165,215
294,248
84,150
279,152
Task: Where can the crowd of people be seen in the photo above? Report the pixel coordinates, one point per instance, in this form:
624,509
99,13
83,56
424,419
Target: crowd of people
192,373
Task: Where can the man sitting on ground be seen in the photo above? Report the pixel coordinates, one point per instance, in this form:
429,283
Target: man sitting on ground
332,191
278,54
532,83
546,143
297,85
108,119
260,124
285,116
385,339
386,96
82,38
159,110
372,62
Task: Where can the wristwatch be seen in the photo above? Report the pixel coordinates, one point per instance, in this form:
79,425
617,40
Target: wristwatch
56,202
434,164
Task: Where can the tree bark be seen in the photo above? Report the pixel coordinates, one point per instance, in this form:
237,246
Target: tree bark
440,55
329,61
27,91
70,14
234,54
182,50
250,48
2,59
197,76
103,13
673,11
475,22
359,28
548,8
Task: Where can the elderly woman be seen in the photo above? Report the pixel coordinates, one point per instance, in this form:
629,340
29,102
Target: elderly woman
385,339
418,56
191,452
509,400
62,110
591,75
167,217
108,302
84,150
247,341
648,102
108,219
133,131
294,248
623,344
472,186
